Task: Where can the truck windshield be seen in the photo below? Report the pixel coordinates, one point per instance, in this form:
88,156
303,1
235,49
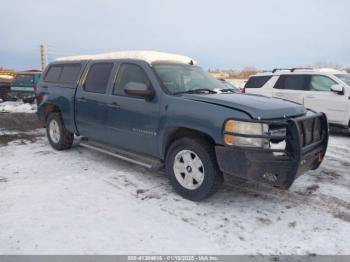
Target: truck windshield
180,78
344,77
23,79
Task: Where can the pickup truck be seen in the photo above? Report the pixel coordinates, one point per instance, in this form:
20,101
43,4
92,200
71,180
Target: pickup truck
161,110
23,86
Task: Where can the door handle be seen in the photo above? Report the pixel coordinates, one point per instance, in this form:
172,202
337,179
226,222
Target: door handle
310,97
82,99
114,105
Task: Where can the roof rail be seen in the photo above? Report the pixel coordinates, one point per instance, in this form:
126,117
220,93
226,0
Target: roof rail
278,69
300,68
291,69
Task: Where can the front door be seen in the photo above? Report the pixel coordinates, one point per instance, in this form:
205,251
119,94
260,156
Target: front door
91,102
132,121
321,99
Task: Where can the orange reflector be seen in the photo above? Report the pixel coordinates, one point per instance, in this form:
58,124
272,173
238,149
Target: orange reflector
228,139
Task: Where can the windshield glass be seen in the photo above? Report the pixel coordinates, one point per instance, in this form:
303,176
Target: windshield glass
23,79
345,78
229,85
181,78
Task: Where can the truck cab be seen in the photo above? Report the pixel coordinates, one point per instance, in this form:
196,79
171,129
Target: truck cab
161,110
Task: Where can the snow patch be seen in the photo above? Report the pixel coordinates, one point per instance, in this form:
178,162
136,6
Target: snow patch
4,132
17,107
148,56
84,202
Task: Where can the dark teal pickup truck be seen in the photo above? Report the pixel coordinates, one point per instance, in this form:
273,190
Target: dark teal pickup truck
163,111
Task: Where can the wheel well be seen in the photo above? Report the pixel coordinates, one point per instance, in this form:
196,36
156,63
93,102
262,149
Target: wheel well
173,134
48,108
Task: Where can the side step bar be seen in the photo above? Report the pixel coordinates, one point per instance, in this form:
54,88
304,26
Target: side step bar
135,158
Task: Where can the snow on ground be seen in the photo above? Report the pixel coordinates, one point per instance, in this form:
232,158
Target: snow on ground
84,202
17,107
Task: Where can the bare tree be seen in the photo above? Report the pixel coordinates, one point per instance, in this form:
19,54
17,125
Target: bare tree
244,73
328,65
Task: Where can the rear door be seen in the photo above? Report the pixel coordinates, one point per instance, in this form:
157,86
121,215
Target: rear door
320,98
92,101
132,121
291,87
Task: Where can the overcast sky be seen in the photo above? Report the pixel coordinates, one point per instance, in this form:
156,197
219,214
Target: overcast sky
218,34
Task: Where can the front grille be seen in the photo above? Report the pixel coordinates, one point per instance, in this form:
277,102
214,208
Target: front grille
310,130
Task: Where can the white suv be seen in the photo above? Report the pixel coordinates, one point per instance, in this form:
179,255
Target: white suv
323,90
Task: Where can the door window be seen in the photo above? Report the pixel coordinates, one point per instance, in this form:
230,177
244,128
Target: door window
70,73
292,82
98,77
321,83
53,74
257,81
129,73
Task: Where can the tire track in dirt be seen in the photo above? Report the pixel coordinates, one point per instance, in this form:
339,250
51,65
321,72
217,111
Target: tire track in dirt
330,204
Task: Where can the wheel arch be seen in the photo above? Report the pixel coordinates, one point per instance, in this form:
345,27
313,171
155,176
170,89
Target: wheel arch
173,133
46,109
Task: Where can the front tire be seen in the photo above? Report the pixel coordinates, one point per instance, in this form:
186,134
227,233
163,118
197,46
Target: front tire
59,137
192,168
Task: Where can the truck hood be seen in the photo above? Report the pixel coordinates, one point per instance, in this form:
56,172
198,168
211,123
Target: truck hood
258,107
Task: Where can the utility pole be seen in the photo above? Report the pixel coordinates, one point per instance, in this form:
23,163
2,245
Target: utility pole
43,57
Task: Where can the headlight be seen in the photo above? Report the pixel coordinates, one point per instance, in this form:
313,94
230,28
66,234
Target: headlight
234,129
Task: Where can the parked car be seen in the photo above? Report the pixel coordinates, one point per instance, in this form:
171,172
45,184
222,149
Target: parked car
161,110
230,86
322,90
24,84
5,86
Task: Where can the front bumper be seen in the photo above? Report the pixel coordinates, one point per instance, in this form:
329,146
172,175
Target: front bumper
304,151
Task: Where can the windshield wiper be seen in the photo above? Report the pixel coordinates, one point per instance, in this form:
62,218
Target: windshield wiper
197,91
227,90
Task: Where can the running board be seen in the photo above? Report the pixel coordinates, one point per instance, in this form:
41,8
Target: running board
135,158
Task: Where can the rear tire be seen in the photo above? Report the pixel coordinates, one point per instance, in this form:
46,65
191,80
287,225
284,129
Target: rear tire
192,168
59,137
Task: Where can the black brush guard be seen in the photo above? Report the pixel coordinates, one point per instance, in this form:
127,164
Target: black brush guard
306,141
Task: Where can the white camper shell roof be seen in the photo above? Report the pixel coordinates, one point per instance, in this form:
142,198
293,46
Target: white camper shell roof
147,56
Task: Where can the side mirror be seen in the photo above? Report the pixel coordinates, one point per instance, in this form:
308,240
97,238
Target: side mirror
338,89
139,89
